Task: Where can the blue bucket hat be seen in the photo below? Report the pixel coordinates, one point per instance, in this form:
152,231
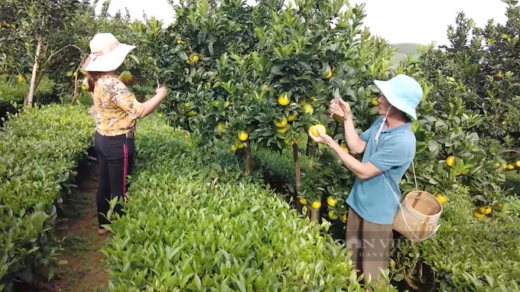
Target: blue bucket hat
402,92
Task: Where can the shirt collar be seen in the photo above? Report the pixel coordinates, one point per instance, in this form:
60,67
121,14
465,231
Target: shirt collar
404,126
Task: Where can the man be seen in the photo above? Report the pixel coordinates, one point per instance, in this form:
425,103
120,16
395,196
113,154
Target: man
389,148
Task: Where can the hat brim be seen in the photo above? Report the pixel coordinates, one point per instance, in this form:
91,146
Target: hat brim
111,61
393,99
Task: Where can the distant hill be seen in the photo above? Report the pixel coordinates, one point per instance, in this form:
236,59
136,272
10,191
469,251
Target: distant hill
404,49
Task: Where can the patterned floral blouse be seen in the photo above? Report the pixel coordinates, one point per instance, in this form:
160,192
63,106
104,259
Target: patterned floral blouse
115,108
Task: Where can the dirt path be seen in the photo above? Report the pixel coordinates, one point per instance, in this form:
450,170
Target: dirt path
85,271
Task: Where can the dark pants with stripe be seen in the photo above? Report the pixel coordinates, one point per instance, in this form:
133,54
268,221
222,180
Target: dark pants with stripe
116,161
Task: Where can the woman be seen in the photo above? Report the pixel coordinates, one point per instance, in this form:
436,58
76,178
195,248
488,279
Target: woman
389,148
115,112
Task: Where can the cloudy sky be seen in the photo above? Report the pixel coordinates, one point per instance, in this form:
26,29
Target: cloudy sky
398,21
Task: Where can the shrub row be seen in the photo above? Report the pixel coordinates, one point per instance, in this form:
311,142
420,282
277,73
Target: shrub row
465,255
13,93
183,231
39,151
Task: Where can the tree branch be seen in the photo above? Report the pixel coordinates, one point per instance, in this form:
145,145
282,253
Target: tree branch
58,51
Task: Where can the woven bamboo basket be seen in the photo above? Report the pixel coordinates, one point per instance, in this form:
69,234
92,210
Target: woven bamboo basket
418,217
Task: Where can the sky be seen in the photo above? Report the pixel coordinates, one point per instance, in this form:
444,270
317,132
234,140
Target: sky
398,21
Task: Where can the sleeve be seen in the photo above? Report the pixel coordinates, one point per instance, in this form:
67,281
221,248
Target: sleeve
366,135
393,153
126,100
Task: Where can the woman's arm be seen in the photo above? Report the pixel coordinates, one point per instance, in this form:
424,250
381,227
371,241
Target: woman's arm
151,104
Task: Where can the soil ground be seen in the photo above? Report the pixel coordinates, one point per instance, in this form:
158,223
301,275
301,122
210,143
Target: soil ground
85,270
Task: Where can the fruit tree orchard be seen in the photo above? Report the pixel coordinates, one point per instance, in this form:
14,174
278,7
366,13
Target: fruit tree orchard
257,78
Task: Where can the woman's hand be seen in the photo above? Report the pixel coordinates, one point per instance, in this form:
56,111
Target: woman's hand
161,92
339,107
322,138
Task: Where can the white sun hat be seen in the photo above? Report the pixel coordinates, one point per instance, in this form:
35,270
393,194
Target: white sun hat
402,92
106,53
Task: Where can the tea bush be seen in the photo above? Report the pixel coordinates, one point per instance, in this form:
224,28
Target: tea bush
12,93
39,151
182,232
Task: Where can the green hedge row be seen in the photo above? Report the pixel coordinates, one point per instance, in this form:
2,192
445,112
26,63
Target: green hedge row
194,223
39,151
465,255
12,93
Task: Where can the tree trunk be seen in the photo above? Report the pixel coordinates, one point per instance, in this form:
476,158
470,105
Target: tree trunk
249,158
297,173
32,88
75,98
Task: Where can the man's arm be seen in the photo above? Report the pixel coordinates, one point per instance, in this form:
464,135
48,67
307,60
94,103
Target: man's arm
393,153
354,142
361,170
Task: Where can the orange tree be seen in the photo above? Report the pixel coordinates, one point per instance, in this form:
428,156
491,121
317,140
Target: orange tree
39,39
482,64
201,33
270,92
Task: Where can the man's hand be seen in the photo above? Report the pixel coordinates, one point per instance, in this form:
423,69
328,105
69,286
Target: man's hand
339,107
322,138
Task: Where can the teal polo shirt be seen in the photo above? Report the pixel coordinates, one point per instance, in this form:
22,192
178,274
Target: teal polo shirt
372,198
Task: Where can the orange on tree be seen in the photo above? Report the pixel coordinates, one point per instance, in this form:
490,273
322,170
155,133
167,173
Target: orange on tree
517,163
283,99
316,205
281,123
265,87
192,113
307,108
344,147
332,201
282,130
160,115
288,142
328,75
292,116
375,102
125,77
477,214
233,148
303,201
485,209
20,79
441,198
243,135
450,161
504,166
185,137
314,129
221,127
344,217
332,214
510,167
499,206
84,87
